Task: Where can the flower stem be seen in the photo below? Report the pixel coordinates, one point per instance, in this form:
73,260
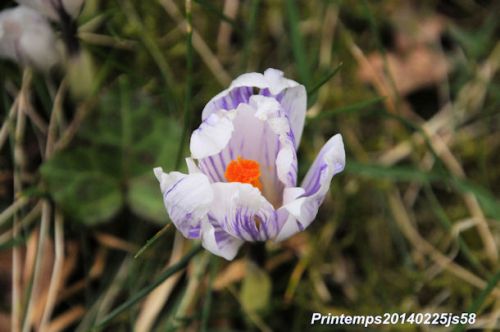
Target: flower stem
257,253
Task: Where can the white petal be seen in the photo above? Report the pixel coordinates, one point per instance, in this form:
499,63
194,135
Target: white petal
286,166
218,241
243,212
249,79
27,38
42,6
304,208
267,107
49,9
292,193
192,166
290,227
212,136
187,199
294,103
276,82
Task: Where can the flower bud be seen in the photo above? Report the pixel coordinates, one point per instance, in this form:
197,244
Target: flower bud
52,8
27,38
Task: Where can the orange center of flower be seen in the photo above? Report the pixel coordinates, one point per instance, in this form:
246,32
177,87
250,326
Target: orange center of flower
244,171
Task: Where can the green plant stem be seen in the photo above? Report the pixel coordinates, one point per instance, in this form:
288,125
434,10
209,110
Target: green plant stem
257,253
208,297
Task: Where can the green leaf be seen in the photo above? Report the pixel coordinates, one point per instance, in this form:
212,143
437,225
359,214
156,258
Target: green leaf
255,292
477,42
80,183
125,139
145,199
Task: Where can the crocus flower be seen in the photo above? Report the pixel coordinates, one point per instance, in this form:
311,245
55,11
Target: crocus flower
27,38
242,181
54,8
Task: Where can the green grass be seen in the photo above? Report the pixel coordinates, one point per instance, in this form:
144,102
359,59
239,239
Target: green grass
410,226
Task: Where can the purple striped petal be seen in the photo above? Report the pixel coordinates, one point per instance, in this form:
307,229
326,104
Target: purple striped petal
227,100
260,132
304,208
294,103
243,212
240,90
218,241
187,199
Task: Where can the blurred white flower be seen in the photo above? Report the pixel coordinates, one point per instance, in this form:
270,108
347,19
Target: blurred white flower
27,38
51,8
242,181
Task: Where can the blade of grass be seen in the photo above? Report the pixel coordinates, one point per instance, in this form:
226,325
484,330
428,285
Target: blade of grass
18,313
153,240
189,78
213,9
447,224
151,44
357,107
487,200
395,173
14,242
146,290
476,305
312,91
297,43
403,173
208,297
249,31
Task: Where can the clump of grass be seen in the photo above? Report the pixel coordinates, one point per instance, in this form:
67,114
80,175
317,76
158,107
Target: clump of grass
410,226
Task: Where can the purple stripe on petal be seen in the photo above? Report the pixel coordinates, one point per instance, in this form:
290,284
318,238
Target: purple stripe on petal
250,227
223,163
215,168
314,185
172,188
207,171
265,228
237,228
194,232
220,237
265,92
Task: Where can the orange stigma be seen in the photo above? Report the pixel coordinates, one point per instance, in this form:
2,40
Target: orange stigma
244,171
